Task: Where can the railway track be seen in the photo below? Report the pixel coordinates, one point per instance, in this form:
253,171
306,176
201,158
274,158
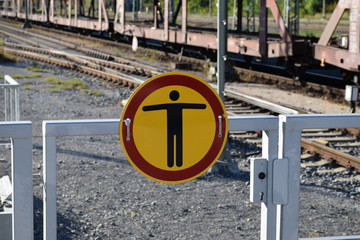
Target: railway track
334,145
124,72
110,67
334,94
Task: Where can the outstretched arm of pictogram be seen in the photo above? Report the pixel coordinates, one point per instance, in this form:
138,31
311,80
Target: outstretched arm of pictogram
154,107
193,106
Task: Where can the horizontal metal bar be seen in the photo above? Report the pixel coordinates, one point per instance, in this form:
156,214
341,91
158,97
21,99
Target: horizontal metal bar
80,127
23,129
253,123
308,121
334,238
97,127
8,86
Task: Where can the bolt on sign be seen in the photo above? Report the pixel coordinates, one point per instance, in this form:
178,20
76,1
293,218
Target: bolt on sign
173,127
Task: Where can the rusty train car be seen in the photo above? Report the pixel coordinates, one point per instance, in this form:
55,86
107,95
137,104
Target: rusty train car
167,23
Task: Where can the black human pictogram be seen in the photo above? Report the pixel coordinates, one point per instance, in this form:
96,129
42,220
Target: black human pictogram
174,125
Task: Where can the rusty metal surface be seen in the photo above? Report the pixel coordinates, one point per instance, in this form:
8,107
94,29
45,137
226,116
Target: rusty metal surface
247,45
252,46
329,153
67,15
344,57
338,57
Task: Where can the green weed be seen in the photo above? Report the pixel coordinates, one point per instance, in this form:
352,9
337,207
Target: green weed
96,93
52,80
36,69
33,76
58,85
28,88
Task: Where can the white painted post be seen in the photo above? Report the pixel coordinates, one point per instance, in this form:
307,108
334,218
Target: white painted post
49,187
290,148
21,174
22,195
268,208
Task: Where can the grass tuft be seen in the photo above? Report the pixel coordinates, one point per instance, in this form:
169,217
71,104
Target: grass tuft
96,93
58,85
36,69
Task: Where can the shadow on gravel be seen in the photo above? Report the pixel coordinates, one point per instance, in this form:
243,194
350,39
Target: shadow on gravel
340,192
67,227
87,155
242,176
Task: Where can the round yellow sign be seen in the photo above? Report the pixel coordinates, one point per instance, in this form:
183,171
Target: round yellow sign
173,128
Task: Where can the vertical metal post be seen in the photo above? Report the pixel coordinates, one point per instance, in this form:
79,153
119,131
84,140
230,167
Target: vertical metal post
11,104
263,28
17,104
155,14
22,189
239,16
184,20
222,46
323,10
7,104
49,191
234,15
210,7
172,8
76,12
134,11
21,174
269,125
51,10
122,15
268,208
27,22
166,20
18,7
287,12
297,19
290,148
69,11
354,23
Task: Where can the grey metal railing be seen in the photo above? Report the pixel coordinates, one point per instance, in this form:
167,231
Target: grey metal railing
12,100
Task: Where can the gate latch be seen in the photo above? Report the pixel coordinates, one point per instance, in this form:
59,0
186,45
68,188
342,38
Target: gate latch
258,180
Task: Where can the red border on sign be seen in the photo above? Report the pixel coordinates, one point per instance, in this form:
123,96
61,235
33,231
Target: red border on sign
217,143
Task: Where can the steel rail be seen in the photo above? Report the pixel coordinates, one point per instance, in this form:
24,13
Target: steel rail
341,158
30,42
116,78
91,52
85,60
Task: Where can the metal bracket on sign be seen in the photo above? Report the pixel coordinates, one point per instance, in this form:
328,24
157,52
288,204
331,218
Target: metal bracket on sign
127,124
258,180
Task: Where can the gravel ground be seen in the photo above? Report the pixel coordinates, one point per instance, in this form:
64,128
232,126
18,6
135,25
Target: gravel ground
100,195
